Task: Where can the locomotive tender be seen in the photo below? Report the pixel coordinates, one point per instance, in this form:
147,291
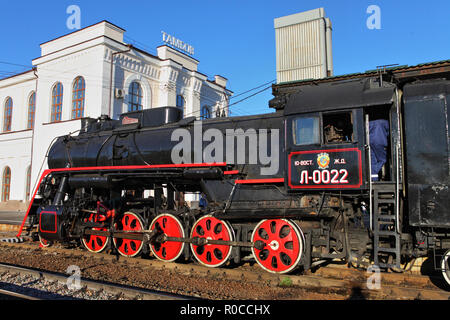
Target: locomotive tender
354,168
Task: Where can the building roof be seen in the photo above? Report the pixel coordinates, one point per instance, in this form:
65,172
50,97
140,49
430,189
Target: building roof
92,25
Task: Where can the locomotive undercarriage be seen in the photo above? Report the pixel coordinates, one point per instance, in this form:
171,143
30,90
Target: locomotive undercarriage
281,235
292,233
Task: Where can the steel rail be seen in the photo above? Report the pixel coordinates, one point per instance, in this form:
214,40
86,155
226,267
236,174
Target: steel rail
16,295
125,291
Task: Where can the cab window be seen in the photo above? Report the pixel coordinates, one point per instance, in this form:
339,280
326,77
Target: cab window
337,128
306,131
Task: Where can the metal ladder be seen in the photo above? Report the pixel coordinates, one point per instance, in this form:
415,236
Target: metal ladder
386,233
385,212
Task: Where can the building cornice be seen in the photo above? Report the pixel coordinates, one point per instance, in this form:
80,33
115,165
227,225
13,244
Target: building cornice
180,53
88,27
16,135
70,50
18,78
150,69
218,87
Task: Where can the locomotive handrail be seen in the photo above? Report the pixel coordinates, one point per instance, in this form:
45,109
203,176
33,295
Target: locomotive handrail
397,211
397,158
399,152
370,170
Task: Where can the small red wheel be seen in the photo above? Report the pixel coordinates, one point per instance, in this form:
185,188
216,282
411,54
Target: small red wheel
283,245
93,243
212,255
44,243
129,222
170,226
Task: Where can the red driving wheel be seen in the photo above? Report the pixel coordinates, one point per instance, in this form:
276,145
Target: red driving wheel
212,255
129,222
93,243
170,226
281,243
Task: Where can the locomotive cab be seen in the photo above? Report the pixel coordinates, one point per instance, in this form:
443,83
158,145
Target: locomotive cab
328,139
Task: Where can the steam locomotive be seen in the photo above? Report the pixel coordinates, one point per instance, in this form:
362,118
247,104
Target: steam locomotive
353,168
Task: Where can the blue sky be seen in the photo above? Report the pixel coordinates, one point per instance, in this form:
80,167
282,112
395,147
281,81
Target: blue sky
236,39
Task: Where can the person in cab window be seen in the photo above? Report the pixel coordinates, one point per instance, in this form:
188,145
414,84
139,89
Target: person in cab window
337,132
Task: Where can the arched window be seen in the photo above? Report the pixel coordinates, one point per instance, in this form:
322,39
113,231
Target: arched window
181,104
135,93
7,115
28,184
79,88
31,110
6,184
57,100
205,113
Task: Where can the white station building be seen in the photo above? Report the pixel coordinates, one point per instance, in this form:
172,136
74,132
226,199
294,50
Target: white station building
89,73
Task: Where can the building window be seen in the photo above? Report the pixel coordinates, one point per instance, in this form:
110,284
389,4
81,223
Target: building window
28,184
79,88
135,93
8,115
181,104
205,113
57,100
31,110
6,184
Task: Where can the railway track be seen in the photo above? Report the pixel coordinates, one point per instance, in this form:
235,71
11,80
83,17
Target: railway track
57,286
339,282
12,295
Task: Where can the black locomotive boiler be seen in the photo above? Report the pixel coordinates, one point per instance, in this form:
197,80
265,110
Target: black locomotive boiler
354,168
